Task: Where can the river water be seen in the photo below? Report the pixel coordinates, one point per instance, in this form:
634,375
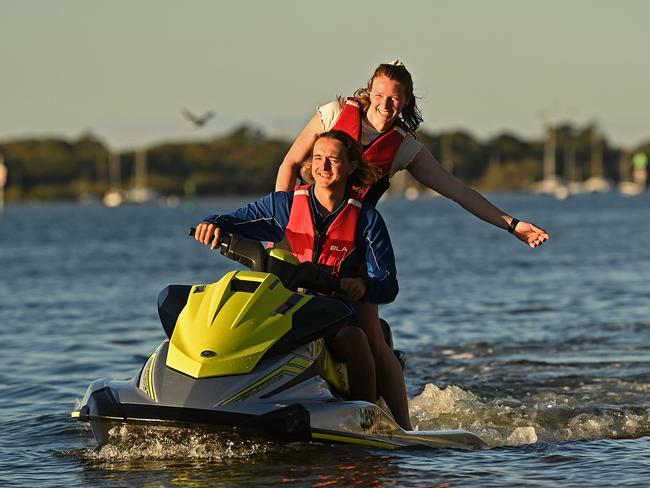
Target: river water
543,353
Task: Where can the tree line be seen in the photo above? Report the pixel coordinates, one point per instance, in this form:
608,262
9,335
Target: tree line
245,161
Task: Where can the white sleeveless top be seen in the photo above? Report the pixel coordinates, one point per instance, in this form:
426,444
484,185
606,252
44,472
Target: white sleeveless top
410,147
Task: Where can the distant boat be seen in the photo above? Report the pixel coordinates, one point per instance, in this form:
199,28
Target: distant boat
412,193
113,198
139,195
630,188
551,186
140,192
596,184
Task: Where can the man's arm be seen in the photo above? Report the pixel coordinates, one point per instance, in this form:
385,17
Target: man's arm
262,220
380,260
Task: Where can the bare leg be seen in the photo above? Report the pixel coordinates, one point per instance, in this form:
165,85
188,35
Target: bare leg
389,372
352,345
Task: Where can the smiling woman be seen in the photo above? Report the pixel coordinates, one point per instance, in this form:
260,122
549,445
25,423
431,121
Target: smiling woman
387,100
383,117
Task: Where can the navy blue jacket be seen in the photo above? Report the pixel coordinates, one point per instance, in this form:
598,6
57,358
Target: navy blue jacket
267,218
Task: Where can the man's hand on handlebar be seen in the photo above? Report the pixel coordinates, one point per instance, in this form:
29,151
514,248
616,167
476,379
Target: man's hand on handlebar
208,234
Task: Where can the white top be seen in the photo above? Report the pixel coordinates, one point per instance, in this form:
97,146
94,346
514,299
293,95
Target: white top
407,151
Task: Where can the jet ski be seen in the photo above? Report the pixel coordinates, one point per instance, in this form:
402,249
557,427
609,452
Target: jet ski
247,354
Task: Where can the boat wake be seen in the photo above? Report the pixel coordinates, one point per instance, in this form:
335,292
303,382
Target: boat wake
545,418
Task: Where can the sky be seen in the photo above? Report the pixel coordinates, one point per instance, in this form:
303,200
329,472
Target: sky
124,70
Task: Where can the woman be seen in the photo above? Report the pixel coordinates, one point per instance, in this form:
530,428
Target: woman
383,117
324,224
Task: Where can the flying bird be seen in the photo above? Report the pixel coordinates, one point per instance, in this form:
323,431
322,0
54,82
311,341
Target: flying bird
197,121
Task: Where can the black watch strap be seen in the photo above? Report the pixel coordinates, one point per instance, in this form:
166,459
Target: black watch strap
513,225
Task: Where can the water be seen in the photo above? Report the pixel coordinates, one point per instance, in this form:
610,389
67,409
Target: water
543,353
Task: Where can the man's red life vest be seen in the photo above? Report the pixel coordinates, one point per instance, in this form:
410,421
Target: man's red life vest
338,242
382,151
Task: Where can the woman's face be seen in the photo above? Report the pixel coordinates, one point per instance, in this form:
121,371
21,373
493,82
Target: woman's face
387,99
329,163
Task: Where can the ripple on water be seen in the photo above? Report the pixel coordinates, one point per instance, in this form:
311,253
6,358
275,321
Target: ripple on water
557,459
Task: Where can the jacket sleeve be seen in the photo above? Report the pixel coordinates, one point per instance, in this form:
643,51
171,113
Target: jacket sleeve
380,260
263,220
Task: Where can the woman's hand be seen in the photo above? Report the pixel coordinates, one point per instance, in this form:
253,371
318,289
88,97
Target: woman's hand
354,288
531,234
208,234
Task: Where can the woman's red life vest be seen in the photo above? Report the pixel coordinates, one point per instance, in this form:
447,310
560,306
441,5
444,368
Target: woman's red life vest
338,242
382,151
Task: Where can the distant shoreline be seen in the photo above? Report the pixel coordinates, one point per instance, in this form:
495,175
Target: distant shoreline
245,162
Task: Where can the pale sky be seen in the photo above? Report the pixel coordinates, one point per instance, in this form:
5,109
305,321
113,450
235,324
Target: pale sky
125,69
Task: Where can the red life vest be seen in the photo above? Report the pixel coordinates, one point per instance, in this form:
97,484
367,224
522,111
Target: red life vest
382,151
338,242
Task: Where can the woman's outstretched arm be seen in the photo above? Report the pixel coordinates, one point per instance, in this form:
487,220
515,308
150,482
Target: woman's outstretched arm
428,171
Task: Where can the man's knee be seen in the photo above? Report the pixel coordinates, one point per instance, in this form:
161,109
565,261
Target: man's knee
374,335
352,339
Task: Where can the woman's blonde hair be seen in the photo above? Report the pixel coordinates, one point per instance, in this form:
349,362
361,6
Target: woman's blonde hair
365,174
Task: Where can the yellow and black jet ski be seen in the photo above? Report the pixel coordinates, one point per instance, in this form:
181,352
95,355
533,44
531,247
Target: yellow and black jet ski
247,353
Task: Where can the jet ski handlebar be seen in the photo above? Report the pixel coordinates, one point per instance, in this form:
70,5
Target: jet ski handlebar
246,251
252,254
